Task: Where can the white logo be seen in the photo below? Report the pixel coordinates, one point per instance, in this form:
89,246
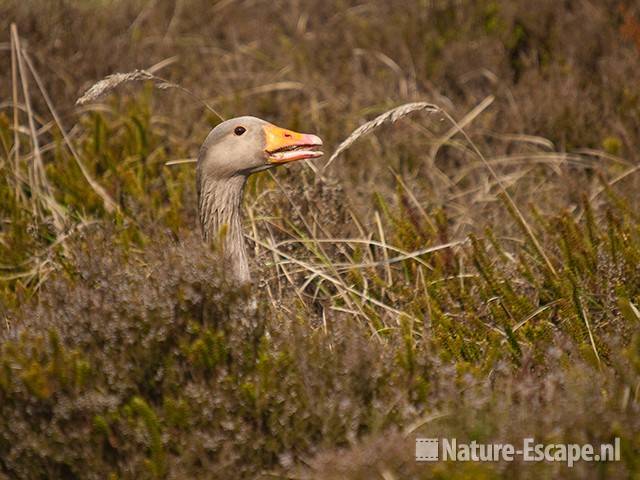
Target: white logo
428,450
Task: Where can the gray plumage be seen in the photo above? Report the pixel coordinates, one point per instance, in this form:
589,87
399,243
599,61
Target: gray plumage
232,151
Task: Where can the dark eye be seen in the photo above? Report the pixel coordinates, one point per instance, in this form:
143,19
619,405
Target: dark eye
239,130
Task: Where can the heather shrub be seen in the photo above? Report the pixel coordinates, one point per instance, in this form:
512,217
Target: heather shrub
469,271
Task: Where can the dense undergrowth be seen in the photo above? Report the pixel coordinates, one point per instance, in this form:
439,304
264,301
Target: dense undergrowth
481,284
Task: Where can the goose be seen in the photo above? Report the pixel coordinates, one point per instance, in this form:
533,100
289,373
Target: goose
234,150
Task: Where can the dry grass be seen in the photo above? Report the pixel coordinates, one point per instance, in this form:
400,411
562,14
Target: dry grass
470,273
113,81
390,116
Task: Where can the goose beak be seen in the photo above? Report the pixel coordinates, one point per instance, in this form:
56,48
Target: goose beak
284,146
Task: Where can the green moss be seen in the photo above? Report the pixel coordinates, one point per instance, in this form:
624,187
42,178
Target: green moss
157,461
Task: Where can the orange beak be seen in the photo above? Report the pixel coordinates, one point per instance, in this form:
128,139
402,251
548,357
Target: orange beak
284,146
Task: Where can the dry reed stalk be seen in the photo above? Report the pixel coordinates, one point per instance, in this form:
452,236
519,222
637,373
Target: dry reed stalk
615,180
259,90
111,82
414,199
585,319
16,113
390,116
180,161
38,182
610,183
385,253
403,254
318,250
397,113
109,204
403,83
468,118
336,282
511,205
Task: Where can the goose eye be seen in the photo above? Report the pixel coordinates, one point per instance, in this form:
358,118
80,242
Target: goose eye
239,130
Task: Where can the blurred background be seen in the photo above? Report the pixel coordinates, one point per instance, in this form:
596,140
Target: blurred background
513,310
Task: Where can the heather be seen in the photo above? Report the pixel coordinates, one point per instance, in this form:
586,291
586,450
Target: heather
468,270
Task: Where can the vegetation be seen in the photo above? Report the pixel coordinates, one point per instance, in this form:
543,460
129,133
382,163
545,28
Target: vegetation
470,272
